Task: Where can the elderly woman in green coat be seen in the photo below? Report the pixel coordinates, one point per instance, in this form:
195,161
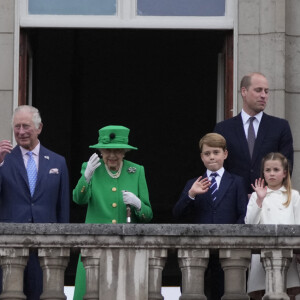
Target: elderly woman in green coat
108,186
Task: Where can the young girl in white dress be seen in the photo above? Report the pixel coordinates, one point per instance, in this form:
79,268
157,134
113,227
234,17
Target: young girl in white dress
273,202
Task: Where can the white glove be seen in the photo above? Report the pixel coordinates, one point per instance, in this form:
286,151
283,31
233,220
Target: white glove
92,165
131,199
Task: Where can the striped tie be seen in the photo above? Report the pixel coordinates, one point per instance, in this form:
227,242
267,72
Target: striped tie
31,172
213,187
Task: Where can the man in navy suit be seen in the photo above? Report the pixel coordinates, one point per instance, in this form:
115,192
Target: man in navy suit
272,134
48,202
217,197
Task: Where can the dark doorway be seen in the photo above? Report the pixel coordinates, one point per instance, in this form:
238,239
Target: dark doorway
162,84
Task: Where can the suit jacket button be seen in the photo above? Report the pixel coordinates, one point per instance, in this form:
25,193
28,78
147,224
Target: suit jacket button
114,205
114,189
114,221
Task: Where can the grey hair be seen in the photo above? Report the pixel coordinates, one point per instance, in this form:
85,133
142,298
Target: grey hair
36,117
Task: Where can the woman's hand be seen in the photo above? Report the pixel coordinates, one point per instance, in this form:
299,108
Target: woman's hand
92,165
200,186
131,199
261,191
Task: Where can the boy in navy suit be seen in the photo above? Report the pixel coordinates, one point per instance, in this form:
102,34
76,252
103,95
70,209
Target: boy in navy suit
216,197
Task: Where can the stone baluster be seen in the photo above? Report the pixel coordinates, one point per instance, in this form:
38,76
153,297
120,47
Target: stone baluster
13,262
53,262
235,263
276,263
157,260
193,263
91,262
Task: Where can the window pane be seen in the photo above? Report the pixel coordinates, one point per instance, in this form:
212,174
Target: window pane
181,7
72,7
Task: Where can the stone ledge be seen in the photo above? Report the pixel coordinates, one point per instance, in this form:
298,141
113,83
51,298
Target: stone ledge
186,230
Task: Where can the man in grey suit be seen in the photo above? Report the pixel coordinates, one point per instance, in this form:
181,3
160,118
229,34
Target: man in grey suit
265,133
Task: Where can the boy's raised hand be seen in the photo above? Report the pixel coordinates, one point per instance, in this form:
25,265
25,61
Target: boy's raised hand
200,186
261,191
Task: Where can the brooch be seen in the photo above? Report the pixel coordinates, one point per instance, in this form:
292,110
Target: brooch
131,170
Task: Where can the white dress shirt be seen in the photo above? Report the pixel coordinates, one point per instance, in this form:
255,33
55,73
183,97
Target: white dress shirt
246,122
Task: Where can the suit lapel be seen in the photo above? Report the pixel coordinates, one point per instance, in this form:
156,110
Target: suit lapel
225,183
43,162
208,194
19,164
261,133
240,132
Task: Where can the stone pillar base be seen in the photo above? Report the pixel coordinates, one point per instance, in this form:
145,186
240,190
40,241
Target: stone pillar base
277,296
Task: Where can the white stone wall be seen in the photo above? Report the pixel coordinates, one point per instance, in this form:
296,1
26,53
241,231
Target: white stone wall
292,80
261,47
6,66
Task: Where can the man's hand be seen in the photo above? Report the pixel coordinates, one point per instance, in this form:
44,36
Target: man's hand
92,165
5,147
131,199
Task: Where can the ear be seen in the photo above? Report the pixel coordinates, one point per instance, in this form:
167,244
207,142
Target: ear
284,173
244,92
225,154
40,128
201,156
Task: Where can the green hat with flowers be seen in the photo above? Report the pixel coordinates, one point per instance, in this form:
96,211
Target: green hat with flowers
113,137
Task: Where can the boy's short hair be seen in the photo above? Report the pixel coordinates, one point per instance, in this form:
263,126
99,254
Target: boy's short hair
213,140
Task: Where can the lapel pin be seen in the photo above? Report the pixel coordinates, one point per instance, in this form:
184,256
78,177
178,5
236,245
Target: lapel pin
47,157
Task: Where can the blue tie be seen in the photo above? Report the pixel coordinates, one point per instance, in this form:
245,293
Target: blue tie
213,187
31,172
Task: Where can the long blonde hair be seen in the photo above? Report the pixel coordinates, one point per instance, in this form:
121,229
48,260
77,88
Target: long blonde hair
286,167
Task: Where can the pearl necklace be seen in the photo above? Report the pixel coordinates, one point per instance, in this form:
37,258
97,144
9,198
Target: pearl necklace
114,175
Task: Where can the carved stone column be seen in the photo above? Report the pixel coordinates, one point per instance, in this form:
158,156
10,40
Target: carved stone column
276,264
193,263
91,262
13,262
124,274
53,262
157,260
235,263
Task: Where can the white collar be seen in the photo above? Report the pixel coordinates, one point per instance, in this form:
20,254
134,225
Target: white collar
220,172
281,189
245,116
35,151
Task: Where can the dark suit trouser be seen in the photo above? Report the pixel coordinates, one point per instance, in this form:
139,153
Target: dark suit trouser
214,279
33,278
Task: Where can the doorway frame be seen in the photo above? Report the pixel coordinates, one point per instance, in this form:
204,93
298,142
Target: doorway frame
125,18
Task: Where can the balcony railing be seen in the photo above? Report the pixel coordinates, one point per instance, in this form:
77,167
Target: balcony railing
128,259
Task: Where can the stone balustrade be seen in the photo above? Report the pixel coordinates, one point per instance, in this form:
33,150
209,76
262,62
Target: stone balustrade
126,261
